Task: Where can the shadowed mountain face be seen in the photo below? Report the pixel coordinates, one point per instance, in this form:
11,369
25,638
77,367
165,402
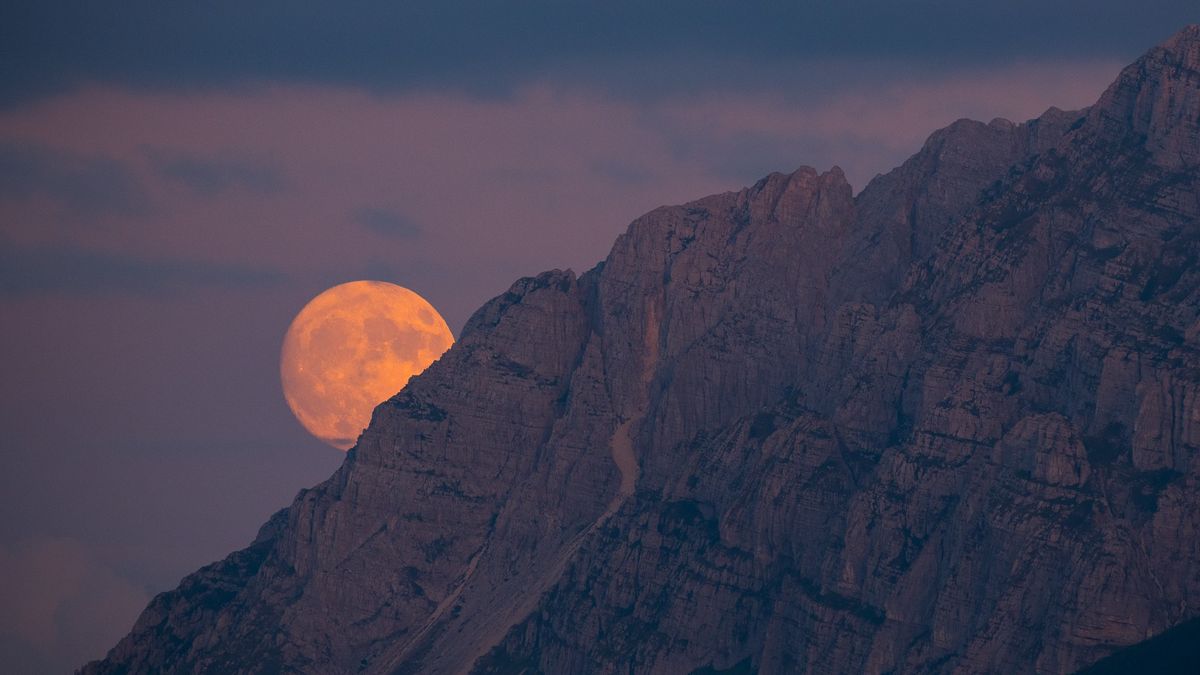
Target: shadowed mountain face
949,425
1169,653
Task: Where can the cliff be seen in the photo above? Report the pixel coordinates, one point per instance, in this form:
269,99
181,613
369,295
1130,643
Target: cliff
949,425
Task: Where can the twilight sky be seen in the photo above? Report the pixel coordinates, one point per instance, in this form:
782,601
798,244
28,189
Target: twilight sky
177,180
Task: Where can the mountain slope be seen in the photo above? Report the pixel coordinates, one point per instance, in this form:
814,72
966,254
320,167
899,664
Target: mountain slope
949,425
1170,653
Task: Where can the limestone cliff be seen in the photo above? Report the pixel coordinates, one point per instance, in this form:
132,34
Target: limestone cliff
949,425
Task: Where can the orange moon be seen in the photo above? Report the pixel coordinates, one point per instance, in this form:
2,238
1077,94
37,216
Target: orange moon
353,347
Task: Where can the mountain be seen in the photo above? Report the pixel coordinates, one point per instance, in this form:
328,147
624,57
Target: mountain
949,425
1169,653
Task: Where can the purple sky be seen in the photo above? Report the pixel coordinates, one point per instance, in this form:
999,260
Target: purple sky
174,188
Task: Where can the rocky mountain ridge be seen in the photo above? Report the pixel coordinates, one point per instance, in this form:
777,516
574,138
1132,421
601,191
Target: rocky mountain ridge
949,425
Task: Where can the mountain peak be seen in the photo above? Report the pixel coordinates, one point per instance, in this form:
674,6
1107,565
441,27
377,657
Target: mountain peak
1186,43
1156,101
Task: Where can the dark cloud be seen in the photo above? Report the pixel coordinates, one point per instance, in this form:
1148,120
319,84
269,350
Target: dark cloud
53,269
84,185
211,176
492,45
386,222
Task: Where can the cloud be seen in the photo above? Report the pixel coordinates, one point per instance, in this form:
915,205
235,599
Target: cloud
75,270
498,47
212,176
82,184
386,222
452,191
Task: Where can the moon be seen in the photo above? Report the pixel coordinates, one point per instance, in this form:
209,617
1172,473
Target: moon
353,347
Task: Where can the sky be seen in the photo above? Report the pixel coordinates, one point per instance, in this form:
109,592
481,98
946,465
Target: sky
178,179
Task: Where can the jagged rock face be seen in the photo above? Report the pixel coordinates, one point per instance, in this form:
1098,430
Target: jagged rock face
902,215
950,425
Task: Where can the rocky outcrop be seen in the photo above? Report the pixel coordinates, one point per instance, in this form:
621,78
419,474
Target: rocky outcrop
950,425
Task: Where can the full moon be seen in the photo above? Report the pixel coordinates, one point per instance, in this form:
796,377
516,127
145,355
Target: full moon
351,348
